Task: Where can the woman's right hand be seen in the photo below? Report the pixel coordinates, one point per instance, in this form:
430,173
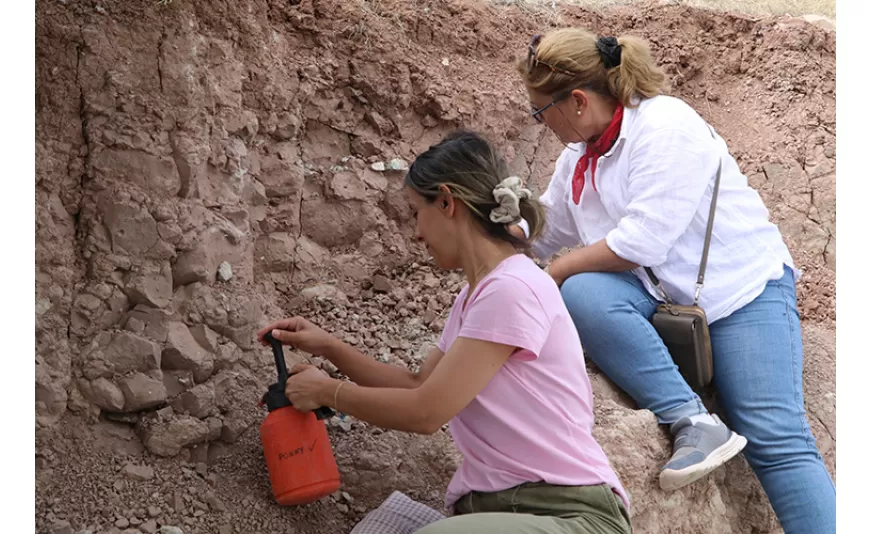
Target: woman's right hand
517,231
300,333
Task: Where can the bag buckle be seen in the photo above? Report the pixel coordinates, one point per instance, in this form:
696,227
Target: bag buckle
698,292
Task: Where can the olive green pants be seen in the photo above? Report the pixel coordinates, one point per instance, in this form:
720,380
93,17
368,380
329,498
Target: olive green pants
537,508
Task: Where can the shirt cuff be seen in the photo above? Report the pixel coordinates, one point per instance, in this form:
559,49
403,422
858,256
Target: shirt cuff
525,226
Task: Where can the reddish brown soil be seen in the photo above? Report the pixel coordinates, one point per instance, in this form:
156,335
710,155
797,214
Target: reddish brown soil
172,138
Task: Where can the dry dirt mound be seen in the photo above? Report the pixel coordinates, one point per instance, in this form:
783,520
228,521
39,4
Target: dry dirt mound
204,166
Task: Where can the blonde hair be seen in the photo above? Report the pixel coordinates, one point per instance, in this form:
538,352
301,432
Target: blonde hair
569,59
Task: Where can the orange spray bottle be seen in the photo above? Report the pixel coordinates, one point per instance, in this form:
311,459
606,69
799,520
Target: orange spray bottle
298,454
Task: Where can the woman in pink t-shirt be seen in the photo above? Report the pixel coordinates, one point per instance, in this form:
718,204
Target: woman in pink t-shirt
508,373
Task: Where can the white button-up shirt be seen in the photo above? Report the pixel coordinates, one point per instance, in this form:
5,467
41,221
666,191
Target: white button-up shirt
652,203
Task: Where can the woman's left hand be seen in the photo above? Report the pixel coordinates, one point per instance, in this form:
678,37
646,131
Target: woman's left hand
555,272
307,387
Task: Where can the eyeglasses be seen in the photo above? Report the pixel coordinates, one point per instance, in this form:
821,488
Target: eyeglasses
536,113
533,61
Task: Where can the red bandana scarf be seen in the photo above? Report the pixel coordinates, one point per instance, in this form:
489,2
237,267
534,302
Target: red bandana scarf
593,152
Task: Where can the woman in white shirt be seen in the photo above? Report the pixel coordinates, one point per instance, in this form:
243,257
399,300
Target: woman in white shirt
633,189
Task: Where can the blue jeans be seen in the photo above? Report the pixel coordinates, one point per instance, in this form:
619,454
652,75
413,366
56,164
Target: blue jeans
757,361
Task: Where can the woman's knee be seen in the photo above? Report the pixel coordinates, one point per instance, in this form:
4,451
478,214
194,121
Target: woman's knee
585,293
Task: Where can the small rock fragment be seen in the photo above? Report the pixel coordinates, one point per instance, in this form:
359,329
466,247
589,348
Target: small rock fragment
152,287
42,306
106,395
142,392
177,501
119,354
225,272
198,401
428,316
205,336
183,352
139,472
381,284
398,164
202,469
275,252
379,166
324,291
177,382
215,426
214,503
168,438
199,453
232,428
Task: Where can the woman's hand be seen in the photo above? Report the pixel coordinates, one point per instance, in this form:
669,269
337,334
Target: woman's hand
299,333
309,388
516,231
594,258
557,273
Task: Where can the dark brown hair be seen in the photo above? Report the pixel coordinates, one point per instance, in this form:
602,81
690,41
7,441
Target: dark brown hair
469,166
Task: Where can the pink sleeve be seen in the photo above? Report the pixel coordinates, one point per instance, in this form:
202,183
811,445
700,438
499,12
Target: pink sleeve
452,323
507,311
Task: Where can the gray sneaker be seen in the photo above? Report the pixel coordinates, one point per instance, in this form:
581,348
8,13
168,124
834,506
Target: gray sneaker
699,448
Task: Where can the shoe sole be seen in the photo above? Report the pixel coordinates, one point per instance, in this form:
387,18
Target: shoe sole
671,479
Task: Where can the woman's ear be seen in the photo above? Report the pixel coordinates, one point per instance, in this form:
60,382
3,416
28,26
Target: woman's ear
446,203
580,99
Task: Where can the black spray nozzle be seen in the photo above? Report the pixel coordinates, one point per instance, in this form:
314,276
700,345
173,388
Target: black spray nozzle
275,397
278,353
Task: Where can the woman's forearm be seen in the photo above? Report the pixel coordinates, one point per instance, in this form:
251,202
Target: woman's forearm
386,407
593,258
367,371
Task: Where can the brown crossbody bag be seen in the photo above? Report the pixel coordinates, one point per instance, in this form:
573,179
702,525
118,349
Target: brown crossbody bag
684,329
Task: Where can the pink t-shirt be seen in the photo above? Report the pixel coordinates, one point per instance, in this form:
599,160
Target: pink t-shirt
533,421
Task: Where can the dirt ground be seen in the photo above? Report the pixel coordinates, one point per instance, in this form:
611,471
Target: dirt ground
242,138
796,8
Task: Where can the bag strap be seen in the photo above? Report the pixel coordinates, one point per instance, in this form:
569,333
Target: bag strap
709,234
702,270
658,285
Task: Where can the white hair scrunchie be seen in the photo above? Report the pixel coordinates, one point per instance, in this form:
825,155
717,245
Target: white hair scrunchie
508,195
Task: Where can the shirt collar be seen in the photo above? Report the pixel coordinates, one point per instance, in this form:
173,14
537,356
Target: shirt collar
629,114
